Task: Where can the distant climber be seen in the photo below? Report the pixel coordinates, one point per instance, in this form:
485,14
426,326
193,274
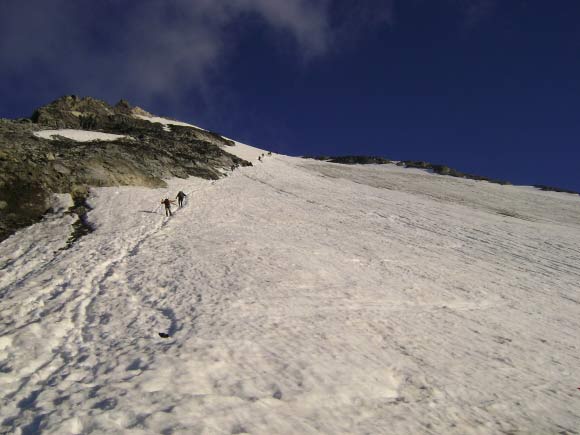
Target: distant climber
167,203
269,153
180,197
260,158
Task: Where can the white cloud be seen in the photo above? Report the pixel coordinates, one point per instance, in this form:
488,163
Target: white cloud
149,49
144,47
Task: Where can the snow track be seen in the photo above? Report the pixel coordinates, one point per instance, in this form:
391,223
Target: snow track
300,297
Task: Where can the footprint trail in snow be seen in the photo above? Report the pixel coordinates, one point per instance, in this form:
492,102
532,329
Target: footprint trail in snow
299,297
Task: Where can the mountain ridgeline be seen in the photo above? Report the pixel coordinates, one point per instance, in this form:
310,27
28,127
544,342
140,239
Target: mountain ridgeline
436,168
33,168
113,146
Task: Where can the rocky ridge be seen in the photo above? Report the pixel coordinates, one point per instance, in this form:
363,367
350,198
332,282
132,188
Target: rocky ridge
419,164
33,168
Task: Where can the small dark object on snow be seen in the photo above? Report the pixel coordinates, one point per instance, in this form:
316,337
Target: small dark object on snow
163,335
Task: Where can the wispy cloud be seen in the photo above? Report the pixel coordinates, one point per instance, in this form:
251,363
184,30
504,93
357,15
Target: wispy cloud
152,49
476,11
466,13
145,47
351,20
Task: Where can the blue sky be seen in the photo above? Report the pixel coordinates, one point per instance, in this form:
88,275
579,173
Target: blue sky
486,86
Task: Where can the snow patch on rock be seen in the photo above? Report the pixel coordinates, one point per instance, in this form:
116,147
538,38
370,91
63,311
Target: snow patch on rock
78,135
166,122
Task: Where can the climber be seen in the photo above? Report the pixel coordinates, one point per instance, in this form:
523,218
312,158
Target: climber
167,203
180,197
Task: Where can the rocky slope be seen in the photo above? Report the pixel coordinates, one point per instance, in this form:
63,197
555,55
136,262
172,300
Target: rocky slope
33,168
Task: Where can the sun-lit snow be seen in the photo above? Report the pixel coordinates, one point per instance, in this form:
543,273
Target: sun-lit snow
244,151
300,297
78,135
166,122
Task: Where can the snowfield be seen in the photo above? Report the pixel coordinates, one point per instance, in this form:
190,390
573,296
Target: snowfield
78,135
300,297
166,122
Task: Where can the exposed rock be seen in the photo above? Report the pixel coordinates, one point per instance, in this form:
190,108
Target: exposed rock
352,160
555,189
123,106
33,168
438,169
71,112
446,170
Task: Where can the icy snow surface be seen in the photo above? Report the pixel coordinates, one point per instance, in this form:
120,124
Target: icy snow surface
78,135
300,297
245,152
166,122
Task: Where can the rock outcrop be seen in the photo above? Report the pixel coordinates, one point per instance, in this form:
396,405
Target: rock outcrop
33,168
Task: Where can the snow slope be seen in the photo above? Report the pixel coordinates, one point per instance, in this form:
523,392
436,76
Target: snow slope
301,297
165,122
78,135
246,152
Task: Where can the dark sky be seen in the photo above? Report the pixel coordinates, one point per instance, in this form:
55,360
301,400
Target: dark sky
490,87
